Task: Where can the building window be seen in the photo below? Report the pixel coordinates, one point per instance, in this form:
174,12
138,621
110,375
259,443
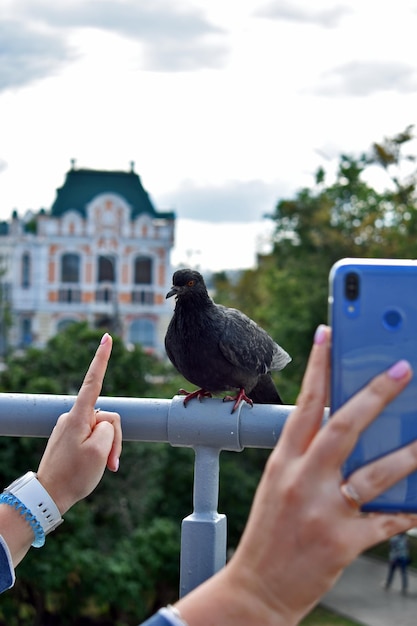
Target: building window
106,269
140,296
26,270
143,270
104,294
63,324
5,293
69,296
25,331
70,268
143,331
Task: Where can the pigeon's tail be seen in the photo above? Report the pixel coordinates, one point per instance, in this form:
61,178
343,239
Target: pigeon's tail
280,358
265,391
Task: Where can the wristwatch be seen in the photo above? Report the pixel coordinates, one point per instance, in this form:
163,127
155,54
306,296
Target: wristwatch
34,496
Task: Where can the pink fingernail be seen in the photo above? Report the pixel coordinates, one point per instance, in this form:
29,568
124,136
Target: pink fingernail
320,334
399,370
104,338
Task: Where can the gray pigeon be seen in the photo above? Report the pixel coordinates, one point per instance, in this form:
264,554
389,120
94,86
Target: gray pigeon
217,348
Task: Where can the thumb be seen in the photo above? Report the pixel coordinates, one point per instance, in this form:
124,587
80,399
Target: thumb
101,440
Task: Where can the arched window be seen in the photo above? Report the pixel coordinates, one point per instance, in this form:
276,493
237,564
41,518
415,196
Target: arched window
142,331
64,323
26,270
70,268
143,270
106,269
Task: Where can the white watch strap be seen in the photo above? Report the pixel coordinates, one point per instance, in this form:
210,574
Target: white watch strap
34,496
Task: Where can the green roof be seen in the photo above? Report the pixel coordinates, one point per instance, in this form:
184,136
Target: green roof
81,186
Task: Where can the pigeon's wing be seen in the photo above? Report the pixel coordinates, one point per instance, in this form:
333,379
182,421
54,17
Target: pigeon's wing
169,341
244,343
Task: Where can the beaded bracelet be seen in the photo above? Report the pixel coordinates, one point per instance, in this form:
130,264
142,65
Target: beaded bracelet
11,500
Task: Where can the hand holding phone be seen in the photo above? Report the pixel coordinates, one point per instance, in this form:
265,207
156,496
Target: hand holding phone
373,314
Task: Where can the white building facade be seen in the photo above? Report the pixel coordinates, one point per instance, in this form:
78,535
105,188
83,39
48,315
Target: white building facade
102,254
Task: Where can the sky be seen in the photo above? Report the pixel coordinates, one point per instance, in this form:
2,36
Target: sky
224,106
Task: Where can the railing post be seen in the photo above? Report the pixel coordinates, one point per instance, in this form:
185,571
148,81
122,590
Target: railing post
204,532
208,428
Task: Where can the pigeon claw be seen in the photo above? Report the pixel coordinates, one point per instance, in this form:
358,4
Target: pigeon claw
238,399
198,393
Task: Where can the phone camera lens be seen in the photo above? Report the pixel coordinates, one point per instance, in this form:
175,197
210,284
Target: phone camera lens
352,286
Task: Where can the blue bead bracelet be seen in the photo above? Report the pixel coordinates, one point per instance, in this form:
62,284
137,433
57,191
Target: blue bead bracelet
11,500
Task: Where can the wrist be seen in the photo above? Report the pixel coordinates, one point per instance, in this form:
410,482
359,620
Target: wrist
29,497
57,494
16,532
230,598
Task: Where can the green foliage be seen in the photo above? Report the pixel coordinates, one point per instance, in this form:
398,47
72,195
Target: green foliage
61,366
239,478
321,616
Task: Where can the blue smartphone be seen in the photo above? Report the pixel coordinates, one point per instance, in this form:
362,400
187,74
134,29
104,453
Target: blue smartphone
373,315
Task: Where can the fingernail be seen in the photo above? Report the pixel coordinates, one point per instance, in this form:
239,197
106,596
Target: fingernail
116,465
320,334
399,370
104,338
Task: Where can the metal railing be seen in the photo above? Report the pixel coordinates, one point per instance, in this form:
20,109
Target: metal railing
208,427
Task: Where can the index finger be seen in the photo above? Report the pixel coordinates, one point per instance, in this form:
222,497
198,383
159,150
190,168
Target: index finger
307,417
93,380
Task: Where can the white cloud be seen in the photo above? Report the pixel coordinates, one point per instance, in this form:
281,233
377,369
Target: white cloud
225,106
359,78
233,201
328,16
28,54
173,37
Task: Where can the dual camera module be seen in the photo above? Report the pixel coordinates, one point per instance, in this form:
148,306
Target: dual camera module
352,286
392,318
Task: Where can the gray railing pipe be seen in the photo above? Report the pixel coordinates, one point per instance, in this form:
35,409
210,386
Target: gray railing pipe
208,427
149,419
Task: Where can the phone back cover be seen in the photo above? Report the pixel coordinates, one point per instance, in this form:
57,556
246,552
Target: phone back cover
368,336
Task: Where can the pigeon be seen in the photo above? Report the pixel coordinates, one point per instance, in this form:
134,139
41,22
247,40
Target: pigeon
219,348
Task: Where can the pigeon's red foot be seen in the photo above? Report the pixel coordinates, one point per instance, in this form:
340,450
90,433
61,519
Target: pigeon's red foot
198,393
238,399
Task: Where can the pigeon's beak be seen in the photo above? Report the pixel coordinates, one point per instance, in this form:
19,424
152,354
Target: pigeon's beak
172,292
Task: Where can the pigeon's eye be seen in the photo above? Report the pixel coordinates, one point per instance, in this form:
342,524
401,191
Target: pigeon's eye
191,283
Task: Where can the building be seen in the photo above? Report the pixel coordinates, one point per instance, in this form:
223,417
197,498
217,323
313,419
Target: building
101,254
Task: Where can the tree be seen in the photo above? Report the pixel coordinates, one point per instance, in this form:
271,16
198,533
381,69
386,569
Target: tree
60,367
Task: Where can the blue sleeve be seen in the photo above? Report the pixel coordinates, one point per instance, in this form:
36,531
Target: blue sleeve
7,577
163,618
156,620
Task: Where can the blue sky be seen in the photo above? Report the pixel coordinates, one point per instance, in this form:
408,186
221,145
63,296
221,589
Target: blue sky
225,107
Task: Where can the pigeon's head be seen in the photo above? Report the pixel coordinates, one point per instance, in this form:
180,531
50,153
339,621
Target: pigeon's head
187,283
